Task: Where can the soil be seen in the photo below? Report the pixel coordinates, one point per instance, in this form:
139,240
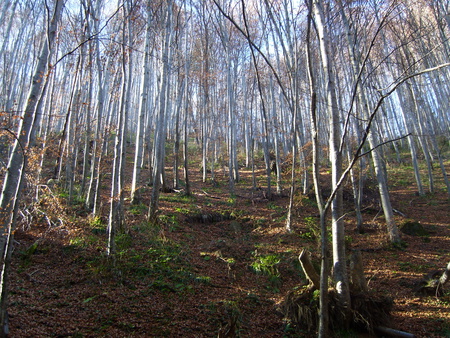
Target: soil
216,265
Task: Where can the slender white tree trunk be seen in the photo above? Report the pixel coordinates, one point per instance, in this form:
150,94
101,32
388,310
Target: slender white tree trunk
10,194
383,189
99,114
339,258
186,114
136,182
412,143
160,133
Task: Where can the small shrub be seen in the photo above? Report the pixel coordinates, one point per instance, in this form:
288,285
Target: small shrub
267,265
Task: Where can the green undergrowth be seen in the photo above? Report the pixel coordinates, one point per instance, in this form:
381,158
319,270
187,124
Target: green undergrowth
145,255
178,198
274,266
268,265
231,316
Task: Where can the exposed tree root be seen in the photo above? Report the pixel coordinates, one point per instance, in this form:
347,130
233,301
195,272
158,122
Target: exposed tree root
368,311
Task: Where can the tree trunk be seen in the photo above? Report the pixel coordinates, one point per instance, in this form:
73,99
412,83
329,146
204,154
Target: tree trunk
185,121
309,269
160,133
116,207
275,137
143,108
90,197
10,195
176,146
392,229
62,140
323,298
88,128
339,258
445,275
412,144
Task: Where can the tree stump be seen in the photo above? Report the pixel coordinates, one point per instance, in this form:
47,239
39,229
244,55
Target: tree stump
357,279
309,270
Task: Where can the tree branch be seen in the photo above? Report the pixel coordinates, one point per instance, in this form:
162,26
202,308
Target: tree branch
89,38
356,156
383,143
247,36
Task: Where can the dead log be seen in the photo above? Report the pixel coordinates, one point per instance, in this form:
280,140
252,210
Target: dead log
394,333
309,269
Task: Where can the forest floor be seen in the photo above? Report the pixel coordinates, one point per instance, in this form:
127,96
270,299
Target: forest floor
215,264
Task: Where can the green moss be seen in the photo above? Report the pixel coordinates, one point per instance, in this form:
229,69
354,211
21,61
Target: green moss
413,228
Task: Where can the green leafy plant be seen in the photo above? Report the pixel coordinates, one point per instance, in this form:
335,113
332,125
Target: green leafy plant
25,255
184,211
138,209
203,279
261,221
313,231
231,201
275,207
123,241
267,265
97,225
169,220
96,222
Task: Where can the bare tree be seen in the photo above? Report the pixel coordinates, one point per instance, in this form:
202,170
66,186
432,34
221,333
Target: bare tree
143,110
160,133
10,194
339,257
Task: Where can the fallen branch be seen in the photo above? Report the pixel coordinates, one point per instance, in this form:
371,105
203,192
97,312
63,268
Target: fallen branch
398,212
209,195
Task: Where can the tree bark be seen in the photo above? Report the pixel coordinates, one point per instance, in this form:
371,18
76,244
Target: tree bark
339,258
136,182
383,189
309,269
115,213
96,149
10,195
323,298
160,133
358,281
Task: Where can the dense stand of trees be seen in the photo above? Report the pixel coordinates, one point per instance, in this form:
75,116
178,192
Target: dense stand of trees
349,85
